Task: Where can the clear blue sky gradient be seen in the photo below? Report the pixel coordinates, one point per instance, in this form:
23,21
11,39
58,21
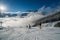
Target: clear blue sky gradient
23,5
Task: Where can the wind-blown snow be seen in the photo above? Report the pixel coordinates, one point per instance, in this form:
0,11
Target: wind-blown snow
15,28
21,22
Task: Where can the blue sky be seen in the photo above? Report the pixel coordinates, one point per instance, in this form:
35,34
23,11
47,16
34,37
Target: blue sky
23,5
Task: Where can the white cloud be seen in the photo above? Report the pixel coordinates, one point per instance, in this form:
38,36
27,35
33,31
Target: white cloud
22,22
30,19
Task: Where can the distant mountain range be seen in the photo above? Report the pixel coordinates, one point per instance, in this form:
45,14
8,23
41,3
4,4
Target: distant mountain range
13,15
9,15
21,15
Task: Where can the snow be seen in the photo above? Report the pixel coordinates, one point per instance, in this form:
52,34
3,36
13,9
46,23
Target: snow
15,29
20,32
30,34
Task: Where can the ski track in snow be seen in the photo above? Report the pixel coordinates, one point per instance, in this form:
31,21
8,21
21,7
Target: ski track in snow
30,34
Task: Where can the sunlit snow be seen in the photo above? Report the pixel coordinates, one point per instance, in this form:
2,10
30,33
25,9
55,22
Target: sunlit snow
15,28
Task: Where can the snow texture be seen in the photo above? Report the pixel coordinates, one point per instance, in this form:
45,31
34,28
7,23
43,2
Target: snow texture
30,34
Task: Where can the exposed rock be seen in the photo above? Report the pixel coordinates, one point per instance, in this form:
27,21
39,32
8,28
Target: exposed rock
57,25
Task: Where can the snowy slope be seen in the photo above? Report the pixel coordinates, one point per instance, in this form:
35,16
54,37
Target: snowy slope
30,34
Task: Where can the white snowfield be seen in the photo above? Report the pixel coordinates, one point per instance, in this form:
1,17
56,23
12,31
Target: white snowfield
30,34
15,29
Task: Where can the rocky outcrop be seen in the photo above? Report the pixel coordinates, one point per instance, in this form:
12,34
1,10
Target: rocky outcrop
57,24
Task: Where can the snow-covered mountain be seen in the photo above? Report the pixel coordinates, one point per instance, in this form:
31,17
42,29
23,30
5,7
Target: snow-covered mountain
14,27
